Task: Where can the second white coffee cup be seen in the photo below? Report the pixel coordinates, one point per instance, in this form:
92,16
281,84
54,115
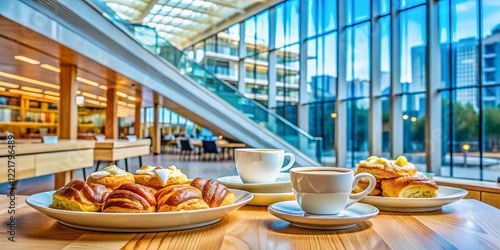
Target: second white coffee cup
260,165
327,190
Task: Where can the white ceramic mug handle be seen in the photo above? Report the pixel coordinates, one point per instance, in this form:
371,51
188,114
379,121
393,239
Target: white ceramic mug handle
356,197
292,161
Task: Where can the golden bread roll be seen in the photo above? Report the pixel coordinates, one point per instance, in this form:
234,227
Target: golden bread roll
179,198
80,196
419,186
159,177
214,193
386,169
363,184
111,176
131,198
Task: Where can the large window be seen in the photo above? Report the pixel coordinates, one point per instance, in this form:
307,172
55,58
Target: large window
293,55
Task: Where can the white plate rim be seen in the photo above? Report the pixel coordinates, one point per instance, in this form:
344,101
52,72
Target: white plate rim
223,180
416,204
212,214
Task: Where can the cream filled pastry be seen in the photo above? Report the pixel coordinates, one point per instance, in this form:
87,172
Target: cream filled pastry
111,176
158,177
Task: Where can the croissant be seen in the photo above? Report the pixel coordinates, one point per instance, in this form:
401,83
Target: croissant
214,193
179,198
80,196
419,186
131,198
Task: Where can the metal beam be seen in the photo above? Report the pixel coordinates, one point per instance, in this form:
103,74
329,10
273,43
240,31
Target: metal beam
146,11
253,10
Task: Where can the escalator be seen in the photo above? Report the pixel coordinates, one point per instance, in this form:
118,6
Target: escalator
191,90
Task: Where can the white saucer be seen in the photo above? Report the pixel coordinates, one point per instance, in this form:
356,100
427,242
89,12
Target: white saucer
291,212
266,199
281,185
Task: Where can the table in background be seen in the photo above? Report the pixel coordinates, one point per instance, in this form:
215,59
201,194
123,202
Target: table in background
467,224
115,150
34,158
227,148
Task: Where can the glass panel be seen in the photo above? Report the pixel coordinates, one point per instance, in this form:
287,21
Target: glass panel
357,131
312,18
358,79
385,6
410,3
385,55
330,66
280,25
465,132
414,129
322,124
361,10
330,15
464,43
262,34
386,142
491,118
491,44
250,36
413,52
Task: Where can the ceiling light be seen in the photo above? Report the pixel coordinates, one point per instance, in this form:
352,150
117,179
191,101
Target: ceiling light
131,105
118,93
131,98
102,98
79,100
47,92
78,92
31,89
50,67
103,87
122,103
24,79
92,102
89,82
102,104
16,91
89,95
55,98
27,59
2,89
9,85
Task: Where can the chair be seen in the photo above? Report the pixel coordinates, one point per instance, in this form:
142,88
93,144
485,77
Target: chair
185,147
210,149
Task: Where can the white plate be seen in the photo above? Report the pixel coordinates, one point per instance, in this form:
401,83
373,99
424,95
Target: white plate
445,196
347,218
281,185
136,222
266,199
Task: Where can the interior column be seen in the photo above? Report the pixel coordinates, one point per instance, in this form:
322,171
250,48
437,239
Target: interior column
138,108
156,135
111,130
68,114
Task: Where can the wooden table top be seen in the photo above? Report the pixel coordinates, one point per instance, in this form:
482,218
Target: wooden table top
110,144
467,224
30,147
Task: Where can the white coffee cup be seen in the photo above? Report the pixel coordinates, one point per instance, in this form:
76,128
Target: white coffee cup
262,165
327,190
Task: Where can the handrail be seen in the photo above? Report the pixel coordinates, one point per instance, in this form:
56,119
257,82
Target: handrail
104,8
179,60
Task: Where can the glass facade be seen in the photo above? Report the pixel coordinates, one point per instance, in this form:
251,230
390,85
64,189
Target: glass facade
308,60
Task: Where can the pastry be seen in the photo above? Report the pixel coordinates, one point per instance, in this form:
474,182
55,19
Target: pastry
80,196
214,193
111,177
179,198
158,177
382,168
363,184
419,186
131,198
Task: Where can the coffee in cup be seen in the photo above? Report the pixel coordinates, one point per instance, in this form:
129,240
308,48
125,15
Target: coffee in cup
327,190
256,165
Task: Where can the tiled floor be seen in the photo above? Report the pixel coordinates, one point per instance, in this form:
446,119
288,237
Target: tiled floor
192,168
